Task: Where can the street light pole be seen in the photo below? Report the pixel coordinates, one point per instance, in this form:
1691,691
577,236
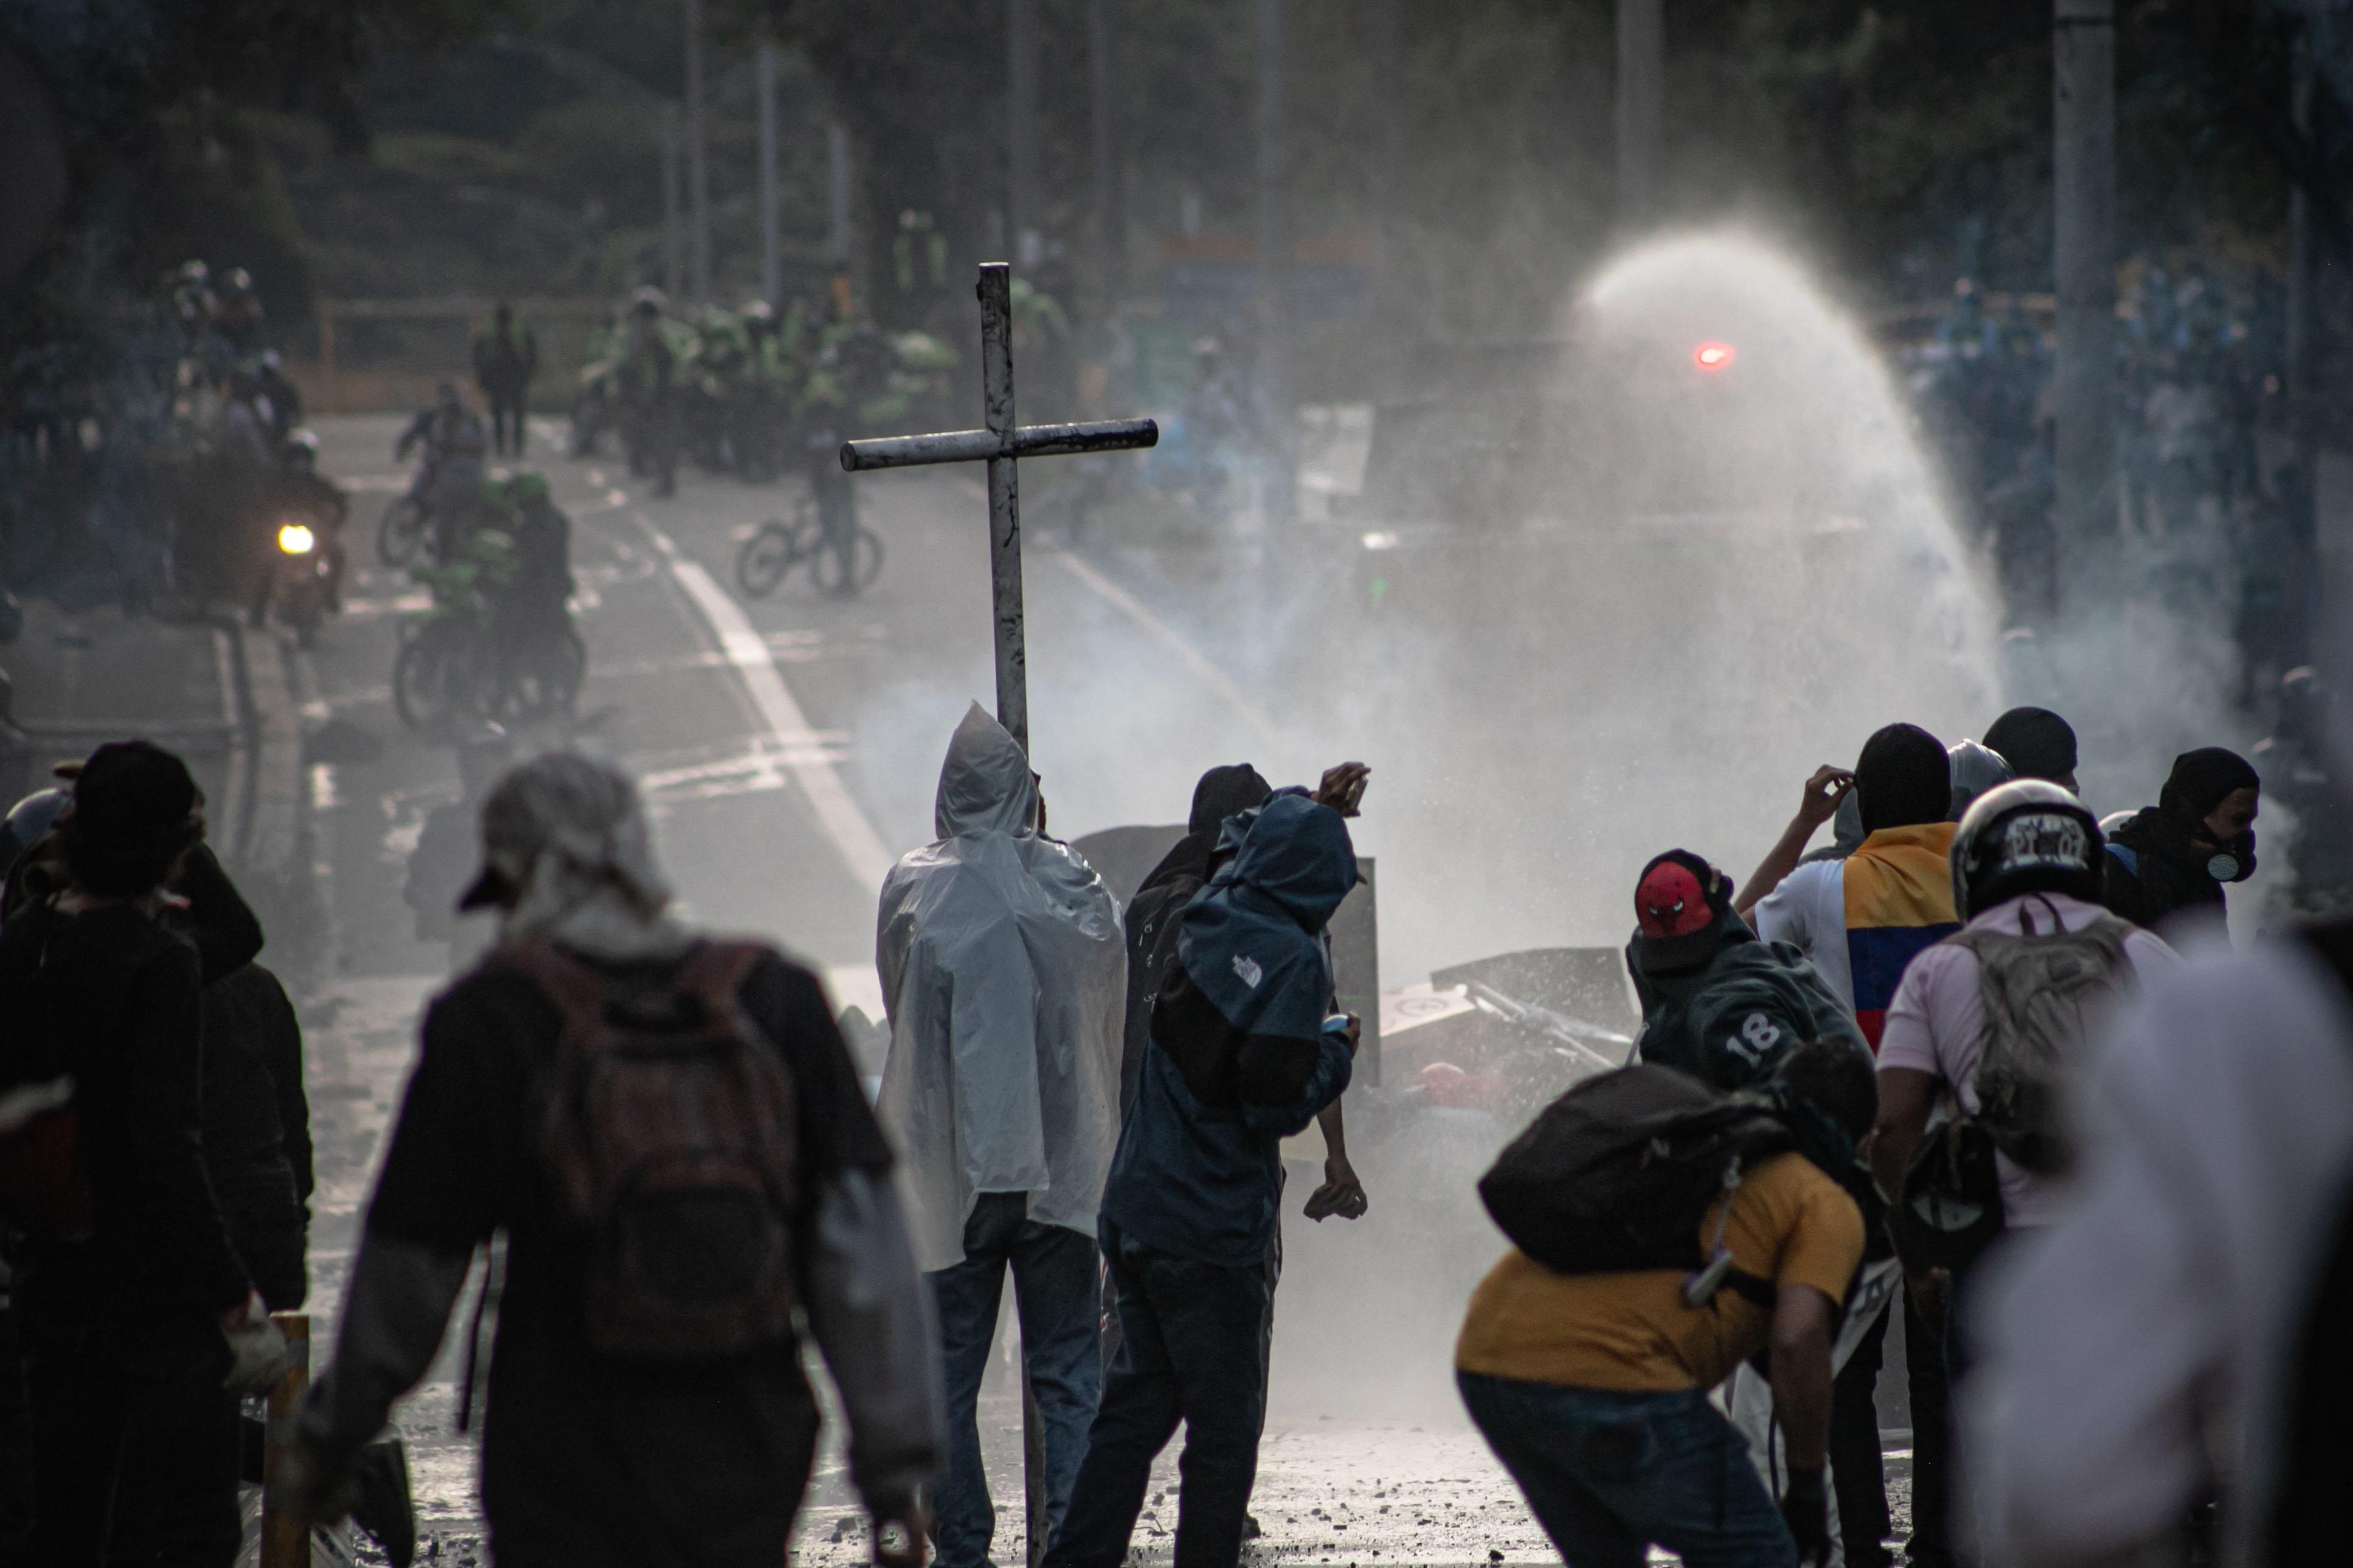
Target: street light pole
673,236
2298,497
772,255
1110,174
2084,221
1023,209
698,163
1274,256
837,209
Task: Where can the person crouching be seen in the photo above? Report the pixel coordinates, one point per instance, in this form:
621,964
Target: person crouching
1593,1388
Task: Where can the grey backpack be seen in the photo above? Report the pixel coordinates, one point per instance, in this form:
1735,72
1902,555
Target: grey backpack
2043,991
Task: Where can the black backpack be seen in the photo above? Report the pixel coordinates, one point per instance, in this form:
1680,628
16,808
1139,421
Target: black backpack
1617,1174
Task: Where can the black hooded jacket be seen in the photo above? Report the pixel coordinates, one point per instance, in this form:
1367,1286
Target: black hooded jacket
257,1121
2165,875
113,999
1151,917
256,1114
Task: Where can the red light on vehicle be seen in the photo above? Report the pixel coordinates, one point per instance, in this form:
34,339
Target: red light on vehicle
1712,356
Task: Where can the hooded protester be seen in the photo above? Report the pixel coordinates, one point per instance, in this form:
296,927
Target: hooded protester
647,1404
1150,919
1004,974
1862,920
136,1310
2037,744
1717,1003
1242,1055
1976,768
1152,936
2168,862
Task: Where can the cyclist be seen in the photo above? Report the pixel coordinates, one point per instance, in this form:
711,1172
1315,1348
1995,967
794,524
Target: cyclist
448,483
537,593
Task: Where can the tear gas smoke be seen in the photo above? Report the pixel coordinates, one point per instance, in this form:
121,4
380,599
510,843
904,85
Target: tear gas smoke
1705,597
1711,577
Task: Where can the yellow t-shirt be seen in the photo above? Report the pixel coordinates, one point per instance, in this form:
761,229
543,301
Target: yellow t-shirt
1791,1224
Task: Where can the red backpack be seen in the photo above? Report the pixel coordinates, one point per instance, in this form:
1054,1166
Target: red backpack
670,1137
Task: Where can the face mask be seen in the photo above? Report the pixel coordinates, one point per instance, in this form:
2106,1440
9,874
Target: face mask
2234,861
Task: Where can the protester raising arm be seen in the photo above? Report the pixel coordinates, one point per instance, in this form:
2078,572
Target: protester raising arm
1824,790
1342,789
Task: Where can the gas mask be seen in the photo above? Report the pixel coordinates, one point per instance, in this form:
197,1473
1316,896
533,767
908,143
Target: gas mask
2234,860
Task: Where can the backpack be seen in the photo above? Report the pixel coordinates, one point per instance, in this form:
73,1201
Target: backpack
669,1139
1617,1174
2039,989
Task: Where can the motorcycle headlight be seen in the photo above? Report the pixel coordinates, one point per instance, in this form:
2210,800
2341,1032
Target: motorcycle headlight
296,539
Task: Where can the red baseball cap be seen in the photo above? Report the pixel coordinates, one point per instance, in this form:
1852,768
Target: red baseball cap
1671,901
1677,904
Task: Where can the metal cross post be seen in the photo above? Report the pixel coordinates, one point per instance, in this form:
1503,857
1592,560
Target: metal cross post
1001,445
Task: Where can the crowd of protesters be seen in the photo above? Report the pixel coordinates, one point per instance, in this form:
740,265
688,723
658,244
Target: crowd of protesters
1950,1066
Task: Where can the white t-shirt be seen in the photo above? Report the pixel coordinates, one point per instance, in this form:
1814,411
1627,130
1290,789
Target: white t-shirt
1934,1023
1807,910
2145,1337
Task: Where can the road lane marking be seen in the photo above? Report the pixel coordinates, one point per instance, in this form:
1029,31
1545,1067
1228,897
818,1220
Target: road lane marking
801,746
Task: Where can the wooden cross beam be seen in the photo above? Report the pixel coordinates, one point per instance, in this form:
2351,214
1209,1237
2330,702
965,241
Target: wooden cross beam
1001,445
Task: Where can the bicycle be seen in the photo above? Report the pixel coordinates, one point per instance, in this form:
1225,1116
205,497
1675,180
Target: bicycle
778,546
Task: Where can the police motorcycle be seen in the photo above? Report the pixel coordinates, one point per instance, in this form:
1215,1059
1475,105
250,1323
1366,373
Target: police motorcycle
498,645
303,580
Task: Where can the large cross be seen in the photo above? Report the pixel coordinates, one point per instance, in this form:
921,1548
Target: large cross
1002,445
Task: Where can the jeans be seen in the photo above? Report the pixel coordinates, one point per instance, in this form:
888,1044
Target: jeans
1857,1468
1056,1294
1193,1348
1609,1473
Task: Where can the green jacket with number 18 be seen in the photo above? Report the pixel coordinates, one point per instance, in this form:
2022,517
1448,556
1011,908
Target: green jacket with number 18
1730,1021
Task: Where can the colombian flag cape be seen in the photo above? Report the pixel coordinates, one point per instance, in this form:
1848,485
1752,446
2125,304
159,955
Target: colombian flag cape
1899,900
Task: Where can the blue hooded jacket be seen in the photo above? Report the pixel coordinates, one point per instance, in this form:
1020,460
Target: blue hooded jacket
1238,1058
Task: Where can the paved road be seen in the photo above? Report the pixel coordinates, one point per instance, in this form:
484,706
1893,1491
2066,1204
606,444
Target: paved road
790,747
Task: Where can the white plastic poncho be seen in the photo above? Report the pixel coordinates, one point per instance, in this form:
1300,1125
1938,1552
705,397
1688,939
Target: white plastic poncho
1006,977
